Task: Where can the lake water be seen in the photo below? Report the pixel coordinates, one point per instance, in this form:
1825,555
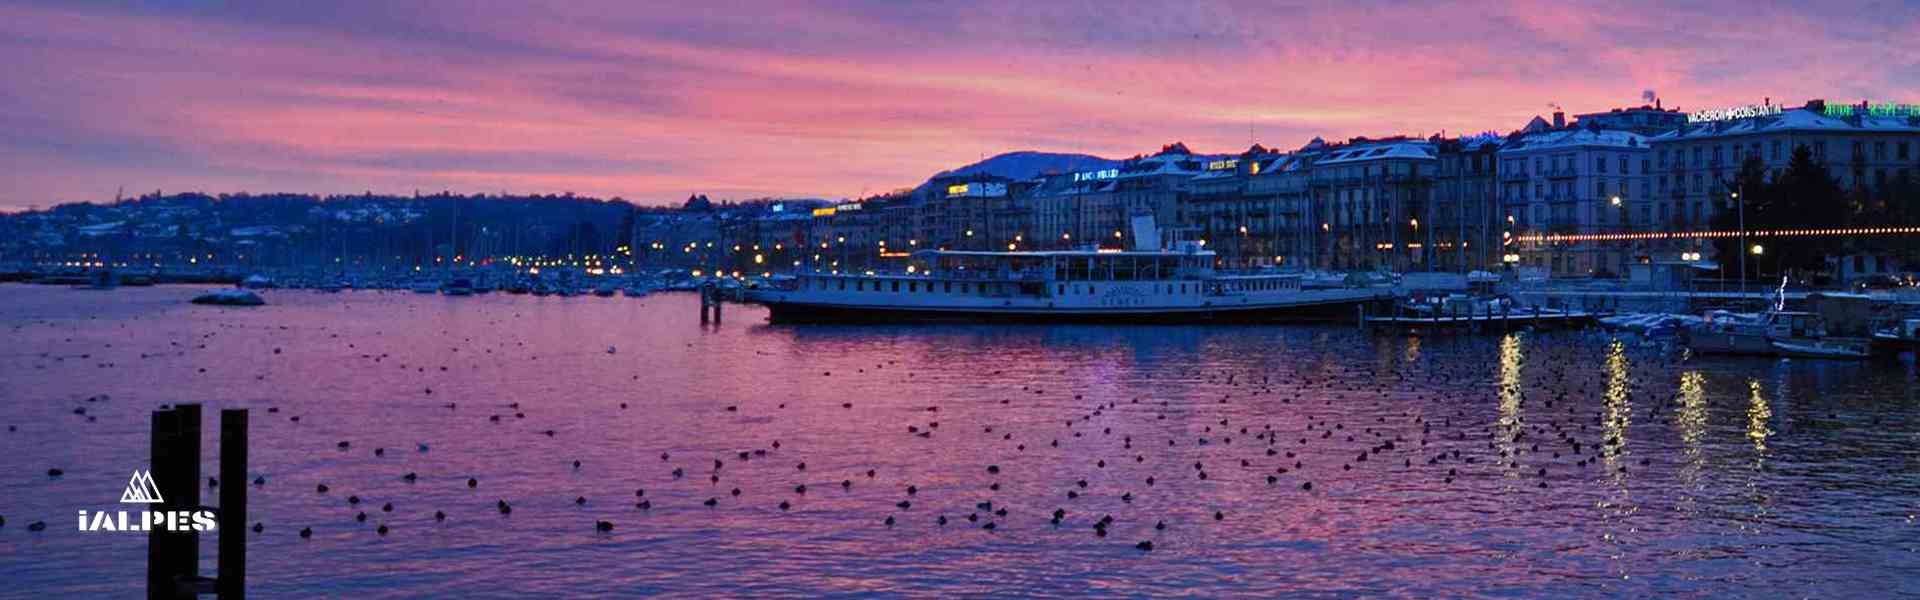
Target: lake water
1722,477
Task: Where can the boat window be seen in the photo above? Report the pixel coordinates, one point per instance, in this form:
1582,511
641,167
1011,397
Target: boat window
843,285
913,286
963,288
896,286
1063,290
947,287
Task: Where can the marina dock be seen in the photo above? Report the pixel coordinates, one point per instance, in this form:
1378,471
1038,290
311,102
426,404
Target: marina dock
1484,321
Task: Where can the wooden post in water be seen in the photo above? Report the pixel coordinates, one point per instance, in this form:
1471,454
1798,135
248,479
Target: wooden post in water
187,464
173,557
232,560
173,552
706,299
160,554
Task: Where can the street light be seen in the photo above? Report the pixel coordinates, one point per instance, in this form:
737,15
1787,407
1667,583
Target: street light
1759,250
1616,200
1742,207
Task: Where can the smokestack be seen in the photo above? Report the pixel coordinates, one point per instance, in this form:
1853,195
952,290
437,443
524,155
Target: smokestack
1559,119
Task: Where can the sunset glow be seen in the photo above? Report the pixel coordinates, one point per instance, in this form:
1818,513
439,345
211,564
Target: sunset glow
654,101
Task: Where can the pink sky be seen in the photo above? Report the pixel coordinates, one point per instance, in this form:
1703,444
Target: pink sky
654,101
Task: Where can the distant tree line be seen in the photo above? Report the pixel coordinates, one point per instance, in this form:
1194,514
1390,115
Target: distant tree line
1807,196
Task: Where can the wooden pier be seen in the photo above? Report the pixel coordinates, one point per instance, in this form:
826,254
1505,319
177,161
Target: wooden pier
1489,320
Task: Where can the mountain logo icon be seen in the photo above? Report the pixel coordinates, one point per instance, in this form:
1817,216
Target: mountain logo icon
141,489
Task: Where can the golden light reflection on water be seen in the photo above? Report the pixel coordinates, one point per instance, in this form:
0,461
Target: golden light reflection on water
1618,406
1759,416
1758,413
1511,358
1691,420
1617,409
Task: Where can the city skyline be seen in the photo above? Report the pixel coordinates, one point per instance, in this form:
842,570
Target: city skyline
781,100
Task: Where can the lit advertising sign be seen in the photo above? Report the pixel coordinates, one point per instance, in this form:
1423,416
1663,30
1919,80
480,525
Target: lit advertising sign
1092,175
1222,165
1884,109
977,190
823,212
1737,112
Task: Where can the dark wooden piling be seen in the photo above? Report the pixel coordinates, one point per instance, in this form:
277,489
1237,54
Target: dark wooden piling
160,543
187,464
232,560
710,303
173,553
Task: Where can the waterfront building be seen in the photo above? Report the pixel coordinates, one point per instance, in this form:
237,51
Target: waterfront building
1573,180
1368,197
1864,147
1095,207
845,236
1464,234
968,212
1243,223
1286,182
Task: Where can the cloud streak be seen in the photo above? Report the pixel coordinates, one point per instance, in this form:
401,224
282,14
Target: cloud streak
652,102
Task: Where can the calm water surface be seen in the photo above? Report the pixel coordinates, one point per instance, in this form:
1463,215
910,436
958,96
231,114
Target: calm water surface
1692,477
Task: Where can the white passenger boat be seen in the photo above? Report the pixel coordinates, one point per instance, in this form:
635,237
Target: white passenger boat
1178,284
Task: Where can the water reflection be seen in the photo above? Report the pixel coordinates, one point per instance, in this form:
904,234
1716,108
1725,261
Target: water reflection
1617,411
1618,405
1758,414
1690,419
1146,401
1511,400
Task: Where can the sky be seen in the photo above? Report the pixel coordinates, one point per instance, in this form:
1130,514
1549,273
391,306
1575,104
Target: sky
653,101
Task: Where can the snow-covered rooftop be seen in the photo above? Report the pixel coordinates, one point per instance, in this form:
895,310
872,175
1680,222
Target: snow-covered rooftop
1410,149
1577,137
1798,119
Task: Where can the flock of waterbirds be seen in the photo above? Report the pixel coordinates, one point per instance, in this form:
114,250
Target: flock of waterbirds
1296,442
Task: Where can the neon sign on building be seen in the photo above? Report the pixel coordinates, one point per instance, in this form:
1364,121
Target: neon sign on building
977,190
1092,175
1884,109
